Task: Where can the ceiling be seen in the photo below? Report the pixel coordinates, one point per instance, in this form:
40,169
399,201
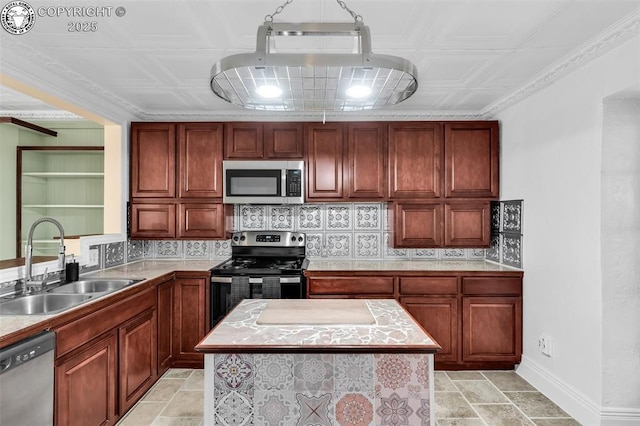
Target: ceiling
474,58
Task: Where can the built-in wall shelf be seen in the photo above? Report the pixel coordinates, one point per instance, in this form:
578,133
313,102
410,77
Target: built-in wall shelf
62,182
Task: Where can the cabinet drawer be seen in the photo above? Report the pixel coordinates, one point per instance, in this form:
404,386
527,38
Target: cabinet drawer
78,332
428,285
351,285
492,285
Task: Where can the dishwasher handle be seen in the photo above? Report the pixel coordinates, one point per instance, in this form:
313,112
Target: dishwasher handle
26,350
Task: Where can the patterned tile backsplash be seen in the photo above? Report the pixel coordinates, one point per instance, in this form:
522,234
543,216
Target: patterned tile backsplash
506,233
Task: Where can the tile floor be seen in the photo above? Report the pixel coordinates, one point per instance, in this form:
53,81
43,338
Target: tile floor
462,398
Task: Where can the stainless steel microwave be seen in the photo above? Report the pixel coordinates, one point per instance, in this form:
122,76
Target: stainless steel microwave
263,182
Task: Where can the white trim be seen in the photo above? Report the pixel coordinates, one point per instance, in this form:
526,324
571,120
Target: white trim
578,405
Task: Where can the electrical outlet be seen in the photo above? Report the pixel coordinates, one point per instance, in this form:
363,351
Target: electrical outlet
544,344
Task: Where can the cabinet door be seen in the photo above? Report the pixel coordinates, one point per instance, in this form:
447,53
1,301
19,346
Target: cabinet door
471,159
243,141
153,220
324,153
153,160
189,313
201,220
351,285
417,225
439,316
467,224
86,390
492,329
200,160
366,160
138,357
415,158
284,140
165,326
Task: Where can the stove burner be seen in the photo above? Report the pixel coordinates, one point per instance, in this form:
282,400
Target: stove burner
284,264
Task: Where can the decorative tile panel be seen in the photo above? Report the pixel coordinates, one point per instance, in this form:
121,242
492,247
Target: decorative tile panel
135,250
273,371
354,408
493,253
367,245
147,249
222,249
425,254
114,254
314,245
455,254
274,407
368,216
496,220
310,218
512,216
393,253
253,217
338,245
281,218
168,249
353,373
511,249
313,410
475,253
197,249
338,217
313,372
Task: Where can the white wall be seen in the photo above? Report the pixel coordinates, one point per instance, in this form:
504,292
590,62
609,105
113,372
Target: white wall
551,157
621,251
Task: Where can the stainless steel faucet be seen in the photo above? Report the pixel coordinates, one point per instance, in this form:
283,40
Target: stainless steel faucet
30,283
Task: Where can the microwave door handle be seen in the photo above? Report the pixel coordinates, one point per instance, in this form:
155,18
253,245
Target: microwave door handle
283,183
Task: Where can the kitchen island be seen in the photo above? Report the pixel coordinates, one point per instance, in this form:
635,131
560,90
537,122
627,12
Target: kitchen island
320,362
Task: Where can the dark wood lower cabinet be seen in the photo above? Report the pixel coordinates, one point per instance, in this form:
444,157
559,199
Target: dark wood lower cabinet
86,389
165,326
138,352
190,322
439,317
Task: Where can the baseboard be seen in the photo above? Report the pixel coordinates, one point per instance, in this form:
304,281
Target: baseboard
574,402
566,397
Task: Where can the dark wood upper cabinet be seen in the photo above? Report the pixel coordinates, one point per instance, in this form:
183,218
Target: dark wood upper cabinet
415,160
324,160
416,224
200,160
284,140
153,160
203,220
366,157
467,224
243,141
472,159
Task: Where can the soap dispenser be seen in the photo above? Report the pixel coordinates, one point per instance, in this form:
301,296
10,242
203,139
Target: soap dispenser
72,271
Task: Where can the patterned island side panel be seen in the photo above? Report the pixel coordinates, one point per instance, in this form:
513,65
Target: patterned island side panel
318,389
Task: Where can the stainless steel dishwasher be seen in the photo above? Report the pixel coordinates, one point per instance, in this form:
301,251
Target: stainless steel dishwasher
26,381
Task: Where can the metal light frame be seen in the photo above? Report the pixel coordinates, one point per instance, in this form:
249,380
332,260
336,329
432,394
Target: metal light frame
313,81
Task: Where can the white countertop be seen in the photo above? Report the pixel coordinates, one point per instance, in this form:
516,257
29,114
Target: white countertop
393,329
407,265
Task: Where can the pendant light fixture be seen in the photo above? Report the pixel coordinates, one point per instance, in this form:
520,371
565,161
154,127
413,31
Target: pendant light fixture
271,81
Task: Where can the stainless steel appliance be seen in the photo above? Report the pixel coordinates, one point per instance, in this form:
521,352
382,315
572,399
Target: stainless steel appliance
263,182
263,264
26,381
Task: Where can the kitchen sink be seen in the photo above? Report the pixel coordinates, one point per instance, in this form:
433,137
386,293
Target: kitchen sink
42,304
101,285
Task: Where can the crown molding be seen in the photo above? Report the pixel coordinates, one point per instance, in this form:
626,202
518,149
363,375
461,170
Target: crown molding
43,115
606,41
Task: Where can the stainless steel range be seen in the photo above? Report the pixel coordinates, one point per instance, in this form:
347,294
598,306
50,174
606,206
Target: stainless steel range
263,265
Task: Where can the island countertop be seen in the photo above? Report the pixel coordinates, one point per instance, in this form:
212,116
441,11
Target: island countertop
318,325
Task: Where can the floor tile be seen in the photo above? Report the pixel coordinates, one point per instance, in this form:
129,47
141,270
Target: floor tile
502,415
185,404
535,404
178,421
143,413
178,373
508,381
555,422
195,381
164,390
460,422
442,382
477,391
465,375
452,405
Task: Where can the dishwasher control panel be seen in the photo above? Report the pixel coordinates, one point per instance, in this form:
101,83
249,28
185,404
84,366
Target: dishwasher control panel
26,350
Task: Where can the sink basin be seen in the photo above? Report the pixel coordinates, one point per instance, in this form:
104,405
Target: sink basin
42,304
103,285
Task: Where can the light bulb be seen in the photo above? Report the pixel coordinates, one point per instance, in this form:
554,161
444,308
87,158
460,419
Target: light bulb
268,91
358,91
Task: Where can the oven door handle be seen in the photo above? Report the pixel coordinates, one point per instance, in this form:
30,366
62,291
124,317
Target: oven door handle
255,280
